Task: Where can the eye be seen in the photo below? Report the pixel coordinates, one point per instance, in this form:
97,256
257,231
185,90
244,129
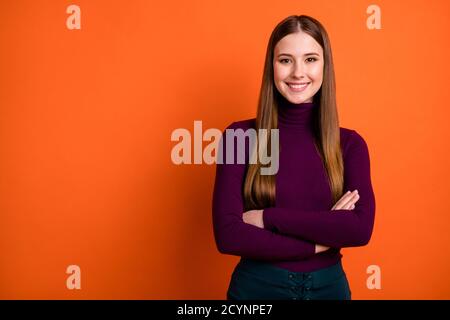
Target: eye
314,59
284,60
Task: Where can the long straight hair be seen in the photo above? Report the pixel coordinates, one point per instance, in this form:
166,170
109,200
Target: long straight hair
259,190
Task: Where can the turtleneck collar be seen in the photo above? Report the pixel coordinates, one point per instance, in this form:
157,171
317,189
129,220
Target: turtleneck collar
295,116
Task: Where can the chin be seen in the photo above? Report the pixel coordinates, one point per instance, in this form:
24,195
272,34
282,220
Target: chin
297,99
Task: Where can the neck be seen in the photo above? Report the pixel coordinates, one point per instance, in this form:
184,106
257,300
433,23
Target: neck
296,116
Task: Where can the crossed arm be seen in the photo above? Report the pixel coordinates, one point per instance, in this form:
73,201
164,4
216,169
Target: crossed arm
346,202
337,227
290,234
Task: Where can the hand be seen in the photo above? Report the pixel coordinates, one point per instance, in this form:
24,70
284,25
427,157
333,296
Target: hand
321,248
347,201
254,217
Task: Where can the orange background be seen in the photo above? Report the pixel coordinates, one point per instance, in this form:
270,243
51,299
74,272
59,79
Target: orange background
86,176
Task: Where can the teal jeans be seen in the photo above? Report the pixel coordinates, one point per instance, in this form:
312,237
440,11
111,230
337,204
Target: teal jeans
258,280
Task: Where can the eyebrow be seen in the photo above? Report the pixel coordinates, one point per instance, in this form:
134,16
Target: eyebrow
306,54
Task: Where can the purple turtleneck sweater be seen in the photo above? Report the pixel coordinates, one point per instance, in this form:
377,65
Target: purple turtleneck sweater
302,215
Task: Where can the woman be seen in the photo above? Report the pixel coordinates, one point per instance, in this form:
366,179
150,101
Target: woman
288,227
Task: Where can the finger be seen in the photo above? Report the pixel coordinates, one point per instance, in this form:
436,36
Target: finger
351,202
341,200
345,200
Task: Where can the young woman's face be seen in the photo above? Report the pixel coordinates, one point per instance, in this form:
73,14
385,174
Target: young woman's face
298,59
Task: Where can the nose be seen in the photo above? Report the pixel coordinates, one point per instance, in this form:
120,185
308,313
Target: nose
298,71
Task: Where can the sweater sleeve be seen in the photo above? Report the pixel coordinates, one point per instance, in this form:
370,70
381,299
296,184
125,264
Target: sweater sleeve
235,237
334,228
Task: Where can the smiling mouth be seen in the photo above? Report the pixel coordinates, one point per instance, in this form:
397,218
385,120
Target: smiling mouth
298,87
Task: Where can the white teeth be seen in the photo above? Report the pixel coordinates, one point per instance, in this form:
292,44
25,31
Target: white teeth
298,86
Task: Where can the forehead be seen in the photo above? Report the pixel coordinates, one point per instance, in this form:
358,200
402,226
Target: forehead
298,44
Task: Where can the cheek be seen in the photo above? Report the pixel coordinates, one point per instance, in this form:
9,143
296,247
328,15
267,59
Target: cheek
276,73
280,73
317,71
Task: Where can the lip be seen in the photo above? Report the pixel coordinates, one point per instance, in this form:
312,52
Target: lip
296,90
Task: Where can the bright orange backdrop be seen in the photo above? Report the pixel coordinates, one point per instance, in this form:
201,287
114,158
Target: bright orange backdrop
86,176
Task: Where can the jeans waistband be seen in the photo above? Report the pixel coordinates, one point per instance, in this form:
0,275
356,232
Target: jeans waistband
319,277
